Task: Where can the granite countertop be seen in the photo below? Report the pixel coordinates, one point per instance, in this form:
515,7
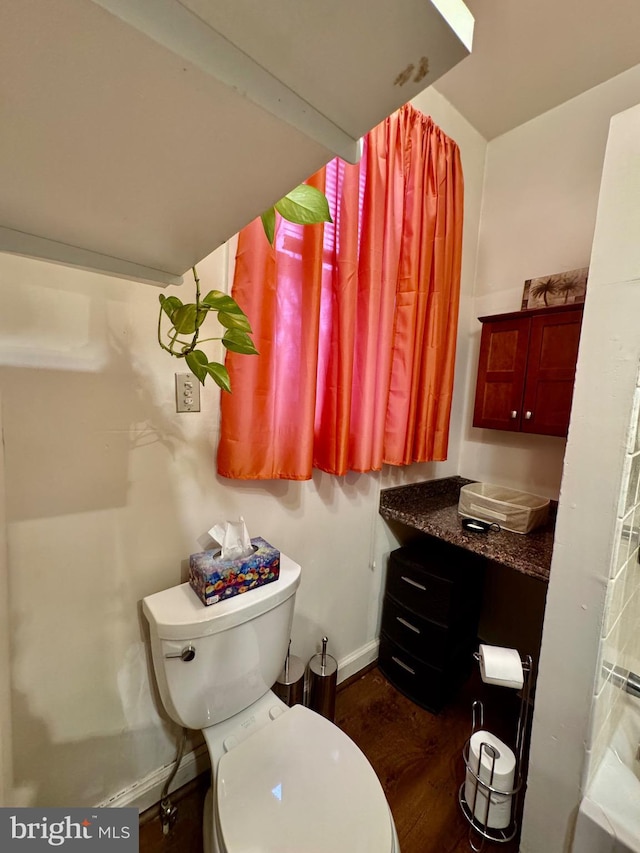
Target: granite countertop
432,507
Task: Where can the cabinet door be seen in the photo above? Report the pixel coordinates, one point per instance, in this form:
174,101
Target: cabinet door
501,373
551,368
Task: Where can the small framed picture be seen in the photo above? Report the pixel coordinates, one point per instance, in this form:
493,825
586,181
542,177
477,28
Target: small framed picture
561,288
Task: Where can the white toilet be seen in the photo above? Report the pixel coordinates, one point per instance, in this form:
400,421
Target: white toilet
284,780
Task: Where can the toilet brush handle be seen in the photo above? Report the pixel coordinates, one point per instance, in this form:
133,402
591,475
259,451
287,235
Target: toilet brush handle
286,664
324,655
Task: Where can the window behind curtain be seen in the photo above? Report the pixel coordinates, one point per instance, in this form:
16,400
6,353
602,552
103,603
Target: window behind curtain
355,322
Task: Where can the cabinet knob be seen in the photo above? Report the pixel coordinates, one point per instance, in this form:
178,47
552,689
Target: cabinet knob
528,416
514,414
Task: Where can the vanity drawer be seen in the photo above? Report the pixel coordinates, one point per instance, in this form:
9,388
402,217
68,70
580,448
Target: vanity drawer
424,593
430,619
437,581
429,686
427,640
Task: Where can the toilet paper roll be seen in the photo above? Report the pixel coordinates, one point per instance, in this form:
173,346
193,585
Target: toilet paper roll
501,666
491,809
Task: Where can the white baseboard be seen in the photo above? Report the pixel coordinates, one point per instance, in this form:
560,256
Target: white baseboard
357,660
148,791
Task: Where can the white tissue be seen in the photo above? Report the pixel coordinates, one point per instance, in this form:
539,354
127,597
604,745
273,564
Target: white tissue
492,809
501,666
233,539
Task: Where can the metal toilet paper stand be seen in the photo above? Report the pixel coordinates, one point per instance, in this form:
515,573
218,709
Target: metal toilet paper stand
479,830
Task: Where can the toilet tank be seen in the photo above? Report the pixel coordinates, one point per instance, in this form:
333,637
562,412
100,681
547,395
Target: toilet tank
234,649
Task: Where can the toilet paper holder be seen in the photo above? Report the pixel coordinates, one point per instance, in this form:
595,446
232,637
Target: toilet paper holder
485,793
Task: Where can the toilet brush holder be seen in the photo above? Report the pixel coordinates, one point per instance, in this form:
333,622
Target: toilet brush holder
323,679
290,683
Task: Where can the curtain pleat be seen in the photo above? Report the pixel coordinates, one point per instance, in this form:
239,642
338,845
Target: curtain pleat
355,321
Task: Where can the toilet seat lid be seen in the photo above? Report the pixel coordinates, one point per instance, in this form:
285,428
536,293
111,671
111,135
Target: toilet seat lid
300,784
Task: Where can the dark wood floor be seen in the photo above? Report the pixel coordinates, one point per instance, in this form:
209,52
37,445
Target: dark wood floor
417,756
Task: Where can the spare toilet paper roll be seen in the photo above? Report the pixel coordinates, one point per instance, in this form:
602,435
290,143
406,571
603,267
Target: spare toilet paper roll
501,666
491,809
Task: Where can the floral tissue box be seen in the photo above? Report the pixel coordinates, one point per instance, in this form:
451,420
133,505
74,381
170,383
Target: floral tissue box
214,579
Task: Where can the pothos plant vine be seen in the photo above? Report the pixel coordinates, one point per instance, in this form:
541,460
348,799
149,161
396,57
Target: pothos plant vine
304,205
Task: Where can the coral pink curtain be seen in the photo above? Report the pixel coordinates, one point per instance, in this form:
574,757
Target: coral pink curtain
355,321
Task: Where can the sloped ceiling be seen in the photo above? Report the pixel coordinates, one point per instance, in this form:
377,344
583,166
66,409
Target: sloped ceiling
532,55
138,135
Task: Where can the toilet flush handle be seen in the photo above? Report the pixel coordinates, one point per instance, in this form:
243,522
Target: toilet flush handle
187,654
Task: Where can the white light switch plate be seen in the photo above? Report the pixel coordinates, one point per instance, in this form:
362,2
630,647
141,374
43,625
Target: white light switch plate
187,393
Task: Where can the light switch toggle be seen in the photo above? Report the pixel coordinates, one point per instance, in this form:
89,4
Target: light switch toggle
187,393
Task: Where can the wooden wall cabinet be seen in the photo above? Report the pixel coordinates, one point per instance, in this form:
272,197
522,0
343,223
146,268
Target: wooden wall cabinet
526,370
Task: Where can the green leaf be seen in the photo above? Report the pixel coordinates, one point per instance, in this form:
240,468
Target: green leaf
219,301
239,341
234,321
304,205
219,374
197,361
201,367
170,304
269,223
186,319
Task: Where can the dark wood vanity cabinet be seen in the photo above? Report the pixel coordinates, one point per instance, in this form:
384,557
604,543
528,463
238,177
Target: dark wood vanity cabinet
430,620
526,370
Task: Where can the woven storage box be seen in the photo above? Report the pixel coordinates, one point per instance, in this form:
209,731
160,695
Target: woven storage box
516,511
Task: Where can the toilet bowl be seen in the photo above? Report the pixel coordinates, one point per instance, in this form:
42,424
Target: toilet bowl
284,780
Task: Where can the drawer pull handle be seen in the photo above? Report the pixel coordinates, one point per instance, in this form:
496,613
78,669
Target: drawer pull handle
413,583
403,665
407,624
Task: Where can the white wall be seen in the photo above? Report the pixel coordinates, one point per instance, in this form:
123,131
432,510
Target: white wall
597,470
538,217
616,261
539,206
619,637
109,491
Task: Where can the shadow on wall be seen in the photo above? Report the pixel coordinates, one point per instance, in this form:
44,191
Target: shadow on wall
64,769
69,437
91,517
81,767
107,490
